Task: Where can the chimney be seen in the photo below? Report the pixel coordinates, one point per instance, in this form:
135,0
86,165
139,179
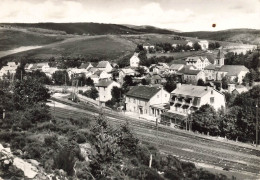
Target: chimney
178,85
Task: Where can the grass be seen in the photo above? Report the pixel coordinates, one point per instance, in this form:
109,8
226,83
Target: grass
107,47
11,39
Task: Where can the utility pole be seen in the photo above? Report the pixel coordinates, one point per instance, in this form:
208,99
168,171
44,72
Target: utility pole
256,128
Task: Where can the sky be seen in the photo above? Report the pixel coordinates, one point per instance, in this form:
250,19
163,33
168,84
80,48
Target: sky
183,15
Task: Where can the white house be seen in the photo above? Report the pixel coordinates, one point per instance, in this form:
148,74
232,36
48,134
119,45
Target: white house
198,61
104,66
85,66
233,72
104,88
174,68
103,74
134,60
146,100
123,72
191,75
10,68
204,44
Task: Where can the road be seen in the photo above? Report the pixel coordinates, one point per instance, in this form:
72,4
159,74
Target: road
203,151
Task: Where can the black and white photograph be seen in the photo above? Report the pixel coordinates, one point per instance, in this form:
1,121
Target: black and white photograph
129,89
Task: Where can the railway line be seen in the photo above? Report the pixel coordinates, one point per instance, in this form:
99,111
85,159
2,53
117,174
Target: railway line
186,146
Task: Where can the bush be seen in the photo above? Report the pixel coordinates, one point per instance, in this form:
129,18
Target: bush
50,140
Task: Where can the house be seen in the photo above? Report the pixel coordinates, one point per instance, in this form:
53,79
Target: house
125,71
28,67
85,66
159,68
104,88
191,75
204,44
9,69
92,70
134,61
235,73
103,74
104,66
49,72
147,46
174,68
237,89
146,100
210,72
220,59
198,61
157,79
189,43
186,99
95,78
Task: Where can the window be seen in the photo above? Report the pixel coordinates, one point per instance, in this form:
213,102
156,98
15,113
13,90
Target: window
165,95
212,100
158,96
134,100
211,91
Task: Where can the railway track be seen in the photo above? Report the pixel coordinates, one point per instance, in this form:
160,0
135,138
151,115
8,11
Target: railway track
186,146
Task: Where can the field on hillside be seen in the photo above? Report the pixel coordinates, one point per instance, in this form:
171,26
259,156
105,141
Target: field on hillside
247,36
10,39
103,47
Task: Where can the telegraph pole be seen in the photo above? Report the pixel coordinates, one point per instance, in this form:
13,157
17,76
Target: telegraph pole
256,128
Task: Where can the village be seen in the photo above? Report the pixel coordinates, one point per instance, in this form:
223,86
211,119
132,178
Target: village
194,82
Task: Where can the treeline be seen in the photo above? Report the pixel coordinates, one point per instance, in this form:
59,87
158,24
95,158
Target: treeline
236,123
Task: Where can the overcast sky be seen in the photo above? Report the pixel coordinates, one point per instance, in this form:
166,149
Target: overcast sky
184,15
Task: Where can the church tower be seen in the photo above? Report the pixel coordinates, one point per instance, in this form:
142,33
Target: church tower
219,61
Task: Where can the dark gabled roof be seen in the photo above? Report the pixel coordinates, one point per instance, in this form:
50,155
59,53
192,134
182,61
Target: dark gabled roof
186,70
98,72
176,66
210,67
104,83
84,65
102,64
143,92
233,70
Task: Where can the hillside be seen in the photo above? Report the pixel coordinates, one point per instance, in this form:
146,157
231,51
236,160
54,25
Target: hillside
102,47
13,38
246,36
90,28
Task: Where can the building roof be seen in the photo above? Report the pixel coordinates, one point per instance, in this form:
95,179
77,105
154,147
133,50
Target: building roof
210,67
127,70
196,58
85,65
189,71
233,70
98,72
102,64
143,92
191,90
165,65
176,66
104,83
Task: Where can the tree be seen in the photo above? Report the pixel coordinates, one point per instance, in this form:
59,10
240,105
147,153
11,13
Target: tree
41,76
20,72
171,83
89,82
60,77
117,94
92,93
200,82
225,82
140,70
29,92
196,46
205,120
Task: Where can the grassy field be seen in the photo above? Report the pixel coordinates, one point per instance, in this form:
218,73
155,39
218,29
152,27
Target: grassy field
247,36
11,39
109,47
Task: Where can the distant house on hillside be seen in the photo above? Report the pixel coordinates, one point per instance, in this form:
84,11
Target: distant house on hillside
186,99
104,88
198,61
237,89
104,66
204,44
147,100
147,46
134,61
